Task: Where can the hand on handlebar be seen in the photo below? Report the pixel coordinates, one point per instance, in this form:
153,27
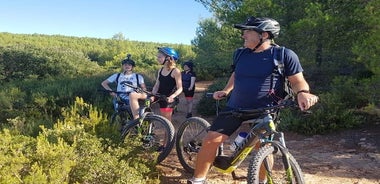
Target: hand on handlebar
170,99
218,95
306,100
152,98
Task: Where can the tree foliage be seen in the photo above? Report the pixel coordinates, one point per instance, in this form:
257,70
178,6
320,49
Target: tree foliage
335,41
52,115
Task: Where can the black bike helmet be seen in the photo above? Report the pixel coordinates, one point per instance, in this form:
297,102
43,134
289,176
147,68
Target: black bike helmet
188,64
169,52
128,60
261,25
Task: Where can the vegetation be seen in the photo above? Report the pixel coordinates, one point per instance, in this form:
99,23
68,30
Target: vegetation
336,44
54,119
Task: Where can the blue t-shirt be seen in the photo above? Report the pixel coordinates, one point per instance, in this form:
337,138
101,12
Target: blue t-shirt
253,77
186,79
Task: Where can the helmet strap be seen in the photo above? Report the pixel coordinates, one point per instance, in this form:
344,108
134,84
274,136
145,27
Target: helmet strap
166,59
259,44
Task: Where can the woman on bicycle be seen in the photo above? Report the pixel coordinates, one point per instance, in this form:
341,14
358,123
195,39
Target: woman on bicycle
188,85
127,76
168,82
249,87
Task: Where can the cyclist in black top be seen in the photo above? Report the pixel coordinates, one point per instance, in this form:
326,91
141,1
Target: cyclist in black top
168,82
188,85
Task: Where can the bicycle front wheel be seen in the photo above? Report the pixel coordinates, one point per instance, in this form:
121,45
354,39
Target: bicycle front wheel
274,164
189,140
154,135
119,118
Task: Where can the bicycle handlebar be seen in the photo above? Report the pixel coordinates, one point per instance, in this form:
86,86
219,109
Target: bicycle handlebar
112,91
138,90
281,105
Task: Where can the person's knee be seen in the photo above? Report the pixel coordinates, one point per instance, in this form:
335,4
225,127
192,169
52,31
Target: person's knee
132,96
214,138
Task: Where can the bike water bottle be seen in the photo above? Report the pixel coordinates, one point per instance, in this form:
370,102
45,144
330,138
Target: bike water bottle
238,140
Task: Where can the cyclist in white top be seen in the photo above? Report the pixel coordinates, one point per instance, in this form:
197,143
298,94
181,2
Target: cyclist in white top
131,97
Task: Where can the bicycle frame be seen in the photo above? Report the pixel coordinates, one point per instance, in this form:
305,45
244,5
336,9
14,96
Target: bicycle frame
270,155
255,136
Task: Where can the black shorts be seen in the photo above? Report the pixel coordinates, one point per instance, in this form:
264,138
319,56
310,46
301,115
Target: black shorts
165,104
188,93
227,124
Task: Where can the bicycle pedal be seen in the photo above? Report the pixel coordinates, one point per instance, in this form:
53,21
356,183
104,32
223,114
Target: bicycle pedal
222,162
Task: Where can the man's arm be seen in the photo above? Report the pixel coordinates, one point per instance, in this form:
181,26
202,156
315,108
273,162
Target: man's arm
301,88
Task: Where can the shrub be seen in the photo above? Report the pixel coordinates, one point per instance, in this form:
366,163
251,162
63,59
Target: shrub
328,116
72,152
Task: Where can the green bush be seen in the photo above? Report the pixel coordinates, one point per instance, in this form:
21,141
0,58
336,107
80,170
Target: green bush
329,115
72,151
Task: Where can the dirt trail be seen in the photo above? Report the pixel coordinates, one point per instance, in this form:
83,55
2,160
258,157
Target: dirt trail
347,157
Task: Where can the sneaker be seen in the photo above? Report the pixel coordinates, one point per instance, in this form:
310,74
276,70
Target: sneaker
262,182
189,115
191,181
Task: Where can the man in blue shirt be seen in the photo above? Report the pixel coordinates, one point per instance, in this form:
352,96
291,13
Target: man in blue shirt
249,85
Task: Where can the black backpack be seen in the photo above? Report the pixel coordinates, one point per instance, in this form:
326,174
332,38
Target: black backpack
278,70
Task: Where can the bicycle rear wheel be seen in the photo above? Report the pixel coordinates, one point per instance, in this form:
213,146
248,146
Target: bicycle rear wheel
284,169
189,141
154,135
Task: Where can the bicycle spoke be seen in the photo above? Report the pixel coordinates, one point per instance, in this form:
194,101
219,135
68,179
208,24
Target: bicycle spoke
189,141
154,135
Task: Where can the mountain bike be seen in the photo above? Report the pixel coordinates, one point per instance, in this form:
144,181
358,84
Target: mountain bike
272,156
122,111
154,132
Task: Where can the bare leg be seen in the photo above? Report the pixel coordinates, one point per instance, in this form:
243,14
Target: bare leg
134,103
189,104
207,153
165,112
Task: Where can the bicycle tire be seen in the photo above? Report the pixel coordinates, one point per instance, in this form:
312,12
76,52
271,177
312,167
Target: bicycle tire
155,135
279,171
189,140
119,118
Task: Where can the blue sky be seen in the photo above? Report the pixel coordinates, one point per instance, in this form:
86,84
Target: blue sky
163,21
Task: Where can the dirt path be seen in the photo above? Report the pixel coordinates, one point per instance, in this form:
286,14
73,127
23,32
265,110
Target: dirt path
347,157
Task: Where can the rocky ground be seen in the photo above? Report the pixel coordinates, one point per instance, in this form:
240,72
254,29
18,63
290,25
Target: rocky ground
347,157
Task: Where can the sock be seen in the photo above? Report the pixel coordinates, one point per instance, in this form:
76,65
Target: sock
197,180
